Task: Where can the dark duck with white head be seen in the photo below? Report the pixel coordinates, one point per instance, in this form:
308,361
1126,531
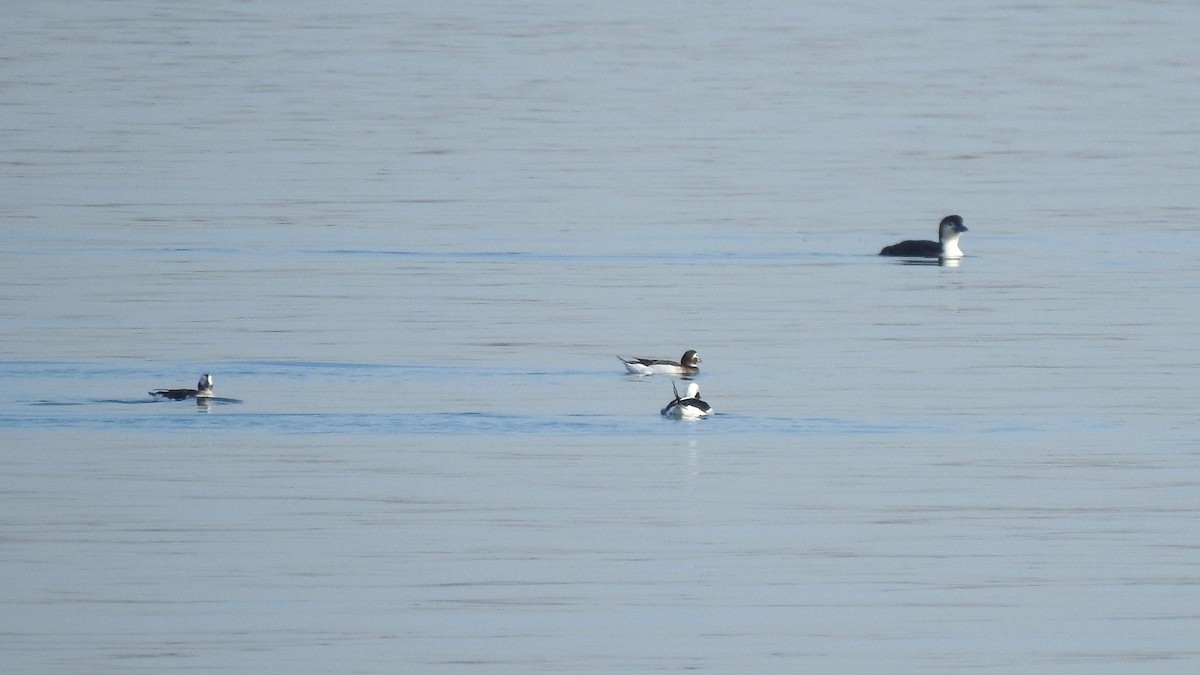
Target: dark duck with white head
204,389
946,247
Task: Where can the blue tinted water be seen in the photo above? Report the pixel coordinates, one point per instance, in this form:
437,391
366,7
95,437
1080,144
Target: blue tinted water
408,244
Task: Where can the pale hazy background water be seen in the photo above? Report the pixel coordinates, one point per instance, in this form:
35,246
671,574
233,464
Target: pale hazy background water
410,237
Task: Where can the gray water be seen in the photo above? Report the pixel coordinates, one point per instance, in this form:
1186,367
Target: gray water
408,239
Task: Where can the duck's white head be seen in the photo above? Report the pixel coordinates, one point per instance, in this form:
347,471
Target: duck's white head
693,390
948,232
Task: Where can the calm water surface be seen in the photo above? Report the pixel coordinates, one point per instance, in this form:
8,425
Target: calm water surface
408,243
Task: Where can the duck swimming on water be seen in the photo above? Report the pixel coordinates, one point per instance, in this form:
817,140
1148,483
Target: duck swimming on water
688,364
689,407
946,247
204,389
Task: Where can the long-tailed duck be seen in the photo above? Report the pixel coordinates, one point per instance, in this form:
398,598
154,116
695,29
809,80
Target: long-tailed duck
689,407
946,247
687,365
204,389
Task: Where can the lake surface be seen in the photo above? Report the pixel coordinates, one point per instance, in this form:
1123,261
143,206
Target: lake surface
408,243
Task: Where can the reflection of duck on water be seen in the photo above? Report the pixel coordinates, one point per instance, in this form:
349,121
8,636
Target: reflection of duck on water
940,262
202,392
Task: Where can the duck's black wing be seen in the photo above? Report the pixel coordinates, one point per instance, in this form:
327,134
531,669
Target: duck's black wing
914,248
174,394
